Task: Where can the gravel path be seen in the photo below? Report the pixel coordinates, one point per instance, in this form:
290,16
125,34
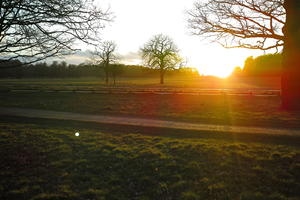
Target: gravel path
46,114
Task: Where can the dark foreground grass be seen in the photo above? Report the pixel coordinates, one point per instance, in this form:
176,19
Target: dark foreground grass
38,162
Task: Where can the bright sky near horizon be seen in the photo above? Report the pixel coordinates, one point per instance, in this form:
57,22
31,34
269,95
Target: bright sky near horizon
136,21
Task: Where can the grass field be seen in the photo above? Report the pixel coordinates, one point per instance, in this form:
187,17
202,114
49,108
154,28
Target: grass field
224,109
42,159
170,82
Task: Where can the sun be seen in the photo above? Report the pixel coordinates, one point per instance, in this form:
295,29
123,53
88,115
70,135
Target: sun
220,62
219,71
217,68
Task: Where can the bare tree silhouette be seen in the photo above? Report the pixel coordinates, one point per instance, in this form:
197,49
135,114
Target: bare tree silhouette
104,55
240,23
261,24
32,30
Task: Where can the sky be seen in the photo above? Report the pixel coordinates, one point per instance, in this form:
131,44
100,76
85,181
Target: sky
136,21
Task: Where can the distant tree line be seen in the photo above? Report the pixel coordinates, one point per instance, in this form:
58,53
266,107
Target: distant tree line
265,65
63,70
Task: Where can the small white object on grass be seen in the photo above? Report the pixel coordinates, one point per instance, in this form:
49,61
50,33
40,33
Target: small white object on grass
77,134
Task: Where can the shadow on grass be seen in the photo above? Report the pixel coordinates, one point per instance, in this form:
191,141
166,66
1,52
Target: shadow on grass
153,131
42,160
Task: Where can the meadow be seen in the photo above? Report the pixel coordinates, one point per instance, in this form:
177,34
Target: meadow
72,156
42,159
172,81
174,105
212,109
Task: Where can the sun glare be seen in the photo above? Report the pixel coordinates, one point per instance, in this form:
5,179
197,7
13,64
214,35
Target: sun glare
131,32
220,62
221,70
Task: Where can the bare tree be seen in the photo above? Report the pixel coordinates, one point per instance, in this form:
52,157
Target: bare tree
32,30
116,70
240,23
161,52
105,56
259,24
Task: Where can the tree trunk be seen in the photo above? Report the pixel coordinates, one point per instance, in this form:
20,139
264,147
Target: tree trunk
162,74
106,71
290,83
106,77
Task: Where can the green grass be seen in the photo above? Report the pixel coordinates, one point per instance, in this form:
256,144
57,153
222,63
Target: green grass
170,82
42,159
225,109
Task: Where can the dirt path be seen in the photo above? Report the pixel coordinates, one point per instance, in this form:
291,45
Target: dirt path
45,114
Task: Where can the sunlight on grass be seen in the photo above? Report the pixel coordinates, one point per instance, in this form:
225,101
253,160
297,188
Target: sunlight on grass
219,109
171,81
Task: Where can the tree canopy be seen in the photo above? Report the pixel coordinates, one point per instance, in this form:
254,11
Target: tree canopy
105,53
32,30
160,52
105,56
240,23
265,65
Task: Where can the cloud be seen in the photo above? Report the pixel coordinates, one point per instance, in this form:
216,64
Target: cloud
131,58
76,58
